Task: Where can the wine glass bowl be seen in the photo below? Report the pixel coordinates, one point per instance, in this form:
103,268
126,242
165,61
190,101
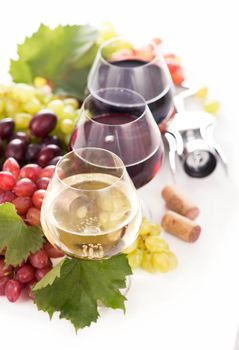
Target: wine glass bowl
91,209
118,119
120,63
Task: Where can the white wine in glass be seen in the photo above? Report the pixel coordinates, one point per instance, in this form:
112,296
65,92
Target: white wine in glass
91,209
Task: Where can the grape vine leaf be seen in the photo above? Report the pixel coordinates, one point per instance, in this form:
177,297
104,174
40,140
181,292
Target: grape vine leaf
16,237
62,55
50,277
81,285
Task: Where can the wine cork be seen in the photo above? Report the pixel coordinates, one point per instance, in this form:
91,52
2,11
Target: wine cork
175,201
180,226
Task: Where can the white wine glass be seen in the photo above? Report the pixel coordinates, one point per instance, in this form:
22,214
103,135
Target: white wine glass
91,209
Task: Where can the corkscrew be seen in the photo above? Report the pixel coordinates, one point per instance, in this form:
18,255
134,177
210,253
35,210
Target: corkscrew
190,137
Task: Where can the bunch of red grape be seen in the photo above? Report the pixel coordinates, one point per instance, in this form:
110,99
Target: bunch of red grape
44,150
23,277
25,188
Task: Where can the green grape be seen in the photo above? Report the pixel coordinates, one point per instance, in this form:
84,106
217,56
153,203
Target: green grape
145,227
22,120
4,90
66,138
57,106
135,258
72,102
33,106
68,113
44,94
40,82
173,261
131,248
140,242
202,93
155,244
161,262
67,126
22,92
212,107
155,229
12,107
146,262
112,48
77,114
2,106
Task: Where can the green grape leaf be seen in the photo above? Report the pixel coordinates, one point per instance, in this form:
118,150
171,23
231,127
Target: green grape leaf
16,237
49,279
62,55
81,285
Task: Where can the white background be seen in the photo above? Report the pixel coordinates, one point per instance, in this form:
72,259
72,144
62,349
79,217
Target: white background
197,305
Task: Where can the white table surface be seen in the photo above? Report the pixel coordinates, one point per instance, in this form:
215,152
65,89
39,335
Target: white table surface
197,305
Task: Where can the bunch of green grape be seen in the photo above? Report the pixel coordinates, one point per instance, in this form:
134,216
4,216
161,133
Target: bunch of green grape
21,102
150,251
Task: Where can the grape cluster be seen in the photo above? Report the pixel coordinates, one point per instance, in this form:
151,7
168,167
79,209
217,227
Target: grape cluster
149,251
21,102
15,280
34,145
25,188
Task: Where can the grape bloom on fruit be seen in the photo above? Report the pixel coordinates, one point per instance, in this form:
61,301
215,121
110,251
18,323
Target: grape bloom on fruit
150,251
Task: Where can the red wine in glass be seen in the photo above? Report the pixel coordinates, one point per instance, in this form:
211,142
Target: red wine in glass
129,131
146,74
160,104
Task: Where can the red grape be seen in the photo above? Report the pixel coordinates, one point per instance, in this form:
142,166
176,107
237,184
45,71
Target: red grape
12,166
47,153
22,204
13,290
43,123
176,72
51,140
49,264
51,251
1,146
16,149
30,171
7,180
39,259
24,188
4,269
32,152
33,217
21,136
25,273
48,171
7,196
38,197
3,282
40,273
29,287
43,183
6,127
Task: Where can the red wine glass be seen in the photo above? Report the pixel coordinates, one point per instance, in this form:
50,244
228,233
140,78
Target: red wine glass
120,63
119,120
